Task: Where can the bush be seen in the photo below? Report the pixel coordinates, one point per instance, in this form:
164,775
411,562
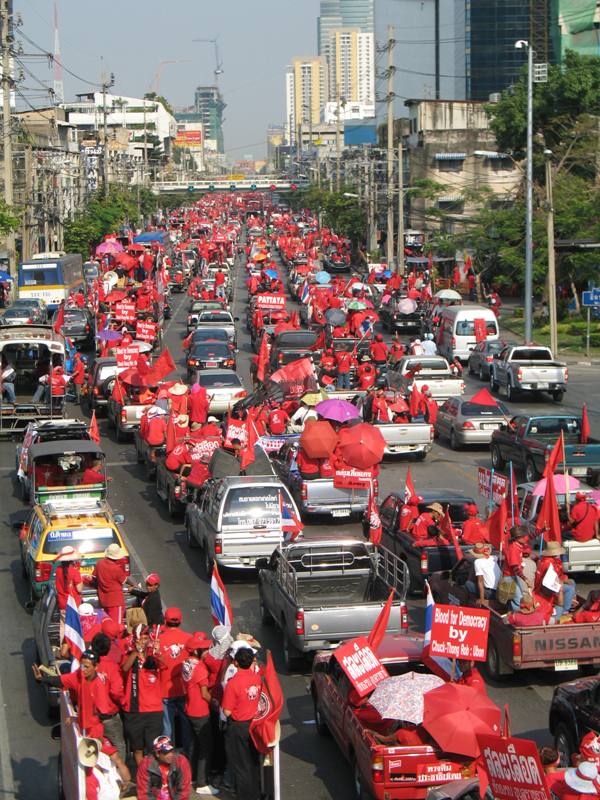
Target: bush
518,313
594,340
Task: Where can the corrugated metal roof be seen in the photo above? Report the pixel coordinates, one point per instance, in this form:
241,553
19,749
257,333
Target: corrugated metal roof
489,154
450,156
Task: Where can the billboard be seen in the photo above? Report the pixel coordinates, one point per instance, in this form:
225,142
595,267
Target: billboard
191,139
360,132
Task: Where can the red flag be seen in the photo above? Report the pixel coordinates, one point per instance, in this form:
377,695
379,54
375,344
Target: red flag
548,519
556,457
171,436
484,398
263,728
296,371
585,426
416,399
94,432
118,393
375,527
447,529
85,704
142,366
263,358
60,317
409,487
496,525
480,329
379,628
162,367
247,454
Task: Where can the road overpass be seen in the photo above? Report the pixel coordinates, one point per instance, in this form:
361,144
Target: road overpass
249,183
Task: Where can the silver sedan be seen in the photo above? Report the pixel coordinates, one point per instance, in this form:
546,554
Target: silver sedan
224,388
463,422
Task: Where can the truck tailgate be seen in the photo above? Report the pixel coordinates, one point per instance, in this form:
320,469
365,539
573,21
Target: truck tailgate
323,492
404,438
336,623
579,457
542,374
441,388
582,556
559,646
247,545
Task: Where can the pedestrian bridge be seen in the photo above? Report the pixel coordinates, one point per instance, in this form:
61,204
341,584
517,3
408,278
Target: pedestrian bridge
247,183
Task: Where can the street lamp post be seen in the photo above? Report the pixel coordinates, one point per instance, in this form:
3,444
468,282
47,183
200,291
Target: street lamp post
528,310
551,256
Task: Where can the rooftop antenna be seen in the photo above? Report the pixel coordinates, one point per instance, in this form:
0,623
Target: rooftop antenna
58,86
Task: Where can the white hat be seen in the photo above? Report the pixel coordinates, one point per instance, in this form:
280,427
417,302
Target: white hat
114,551
582,777
240,645
212,419
86,610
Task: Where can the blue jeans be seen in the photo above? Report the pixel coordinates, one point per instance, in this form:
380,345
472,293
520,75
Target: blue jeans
569,590
473,589
174,707
9,390
520,586
343,380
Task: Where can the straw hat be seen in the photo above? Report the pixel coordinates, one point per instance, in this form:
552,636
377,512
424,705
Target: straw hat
481,547
88,751
178,389
436,508
553,549
183,420
68,553
198,641
114,551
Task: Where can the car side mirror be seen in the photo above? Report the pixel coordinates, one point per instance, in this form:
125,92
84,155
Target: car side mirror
55,732
119,518
502,427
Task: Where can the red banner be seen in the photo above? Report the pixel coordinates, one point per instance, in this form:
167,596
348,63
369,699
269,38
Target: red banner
494,482
128,355
459,632
203,450
125,310
270,302
513,768
351,478
480,329
145,331
236,429
361,665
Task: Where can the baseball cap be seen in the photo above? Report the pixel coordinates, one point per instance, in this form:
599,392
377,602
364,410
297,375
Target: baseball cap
153,579
111,628
198,641
162,744
173,615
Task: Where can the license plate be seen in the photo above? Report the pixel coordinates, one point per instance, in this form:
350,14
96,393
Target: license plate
340,512
542,385
489,426
211,363
579,471
565,664
86,570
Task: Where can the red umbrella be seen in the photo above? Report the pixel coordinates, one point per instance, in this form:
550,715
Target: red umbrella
318,439
362,445
116,295
454,714
399,406
136,248
133,377
125,260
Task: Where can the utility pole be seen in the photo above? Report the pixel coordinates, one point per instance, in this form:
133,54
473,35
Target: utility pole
390,147
28,194
400,246
106,85
338,181
145,144
372,208
528,309
5,22
551,256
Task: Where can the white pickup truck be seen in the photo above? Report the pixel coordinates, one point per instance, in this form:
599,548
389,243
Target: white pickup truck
527,368
431,371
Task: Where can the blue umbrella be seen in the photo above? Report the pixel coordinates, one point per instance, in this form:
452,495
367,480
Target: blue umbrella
4,276
271,273
110,336
323,277
149,236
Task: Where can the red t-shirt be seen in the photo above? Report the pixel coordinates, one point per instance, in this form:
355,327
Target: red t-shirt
308,465
278,419
344,361
156,430
585,516
242,694
178,456
379,351
173,652
110,698
407,514
473,678
199,473
66,580
474,531
198,407
214,667
92,476
513,563
149,686
195,676
421,526
110,576
75,683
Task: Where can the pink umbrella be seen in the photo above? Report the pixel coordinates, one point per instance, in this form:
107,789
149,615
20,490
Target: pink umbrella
109,247
407,306
560,485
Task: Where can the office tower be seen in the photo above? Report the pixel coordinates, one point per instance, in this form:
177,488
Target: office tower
208,103
352,66
306,92
343,14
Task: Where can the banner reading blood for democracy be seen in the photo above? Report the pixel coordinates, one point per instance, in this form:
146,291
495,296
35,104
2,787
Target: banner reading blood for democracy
127,356
125,311
361,665
458,632
513,768
145,331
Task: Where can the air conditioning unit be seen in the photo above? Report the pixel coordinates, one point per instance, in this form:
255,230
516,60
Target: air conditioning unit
495,97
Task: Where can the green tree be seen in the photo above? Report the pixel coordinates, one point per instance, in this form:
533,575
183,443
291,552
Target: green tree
10,218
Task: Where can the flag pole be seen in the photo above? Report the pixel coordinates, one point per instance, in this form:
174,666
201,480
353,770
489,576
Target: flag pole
511,490
491,491
566,474
276,773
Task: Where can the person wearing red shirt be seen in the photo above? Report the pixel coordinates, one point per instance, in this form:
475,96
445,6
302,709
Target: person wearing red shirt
110,702
241,697
474,529
380,410
421,526
68,580
198,404
143,301
345,361
366,373
143,701
397,349
212,427
78,374
108,577
277,421
583,519
409,512
379,350
199,472
197,708
512,563
431,407
470,675
93,474
178,457
308,467
562,600
164,774
172,641
156,428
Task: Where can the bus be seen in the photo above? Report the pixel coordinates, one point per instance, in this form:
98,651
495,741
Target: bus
50,277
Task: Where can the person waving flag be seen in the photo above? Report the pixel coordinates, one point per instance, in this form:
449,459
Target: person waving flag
74,631
222,613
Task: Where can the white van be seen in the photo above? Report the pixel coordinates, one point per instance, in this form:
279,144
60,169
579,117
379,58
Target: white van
457,330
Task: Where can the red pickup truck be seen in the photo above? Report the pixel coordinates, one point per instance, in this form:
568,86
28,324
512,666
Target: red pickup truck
381,771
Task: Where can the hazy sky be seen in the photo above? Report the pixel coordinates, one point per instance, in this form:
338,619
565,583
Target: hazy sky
256,39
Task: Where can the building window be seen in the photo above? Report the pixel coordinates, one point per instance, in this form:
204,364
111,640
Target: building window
450,165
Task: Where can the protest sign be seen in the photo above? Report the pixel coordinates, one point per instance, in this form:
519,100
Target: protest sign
490,481
459,632
351,478
145,331
125,311
513,768
127,356
361,665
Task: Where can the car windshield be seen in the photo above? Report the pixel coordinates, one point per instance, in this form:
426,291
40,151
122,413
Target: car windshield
74,314
211,349
87,541
25,304
109,371
223,380
14,313
211,316
210,333
428,364
250,506
476,410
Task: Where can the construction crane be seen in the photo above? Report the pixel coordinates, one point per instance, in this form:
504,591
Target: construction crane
156,83
218,63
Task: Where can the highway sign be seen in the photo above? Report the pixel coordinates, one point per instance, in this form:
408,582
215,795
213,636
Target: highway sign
591,298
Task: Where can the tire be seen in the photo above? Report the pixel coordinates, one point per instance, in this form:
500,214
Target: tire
360,793
493,383
118,434
558,396
563,741
320,723
497,461
173,512
208,562
493,662
510,392
531,471
191,540
471,370
454,445
481,374
420,456
293,658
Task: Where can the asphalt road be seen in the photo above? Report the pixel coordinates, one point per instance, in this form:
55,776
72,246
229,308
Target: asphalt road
311,766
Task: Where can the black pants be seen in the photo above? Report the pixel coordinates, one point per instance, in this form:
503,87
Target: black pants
142,728
242,759
202,749
219,759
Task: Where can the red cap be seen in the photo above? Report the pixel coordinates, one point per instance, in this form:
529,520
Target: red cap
111,628
415,500
198,641
153,579
173,615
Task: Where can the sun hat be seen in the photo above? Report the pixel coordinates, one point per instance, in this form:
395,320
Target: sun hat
212,419
198,641
68,553
553,549
178,389
183,420
436,508
86,610
222,641
582,777
114,551
482,547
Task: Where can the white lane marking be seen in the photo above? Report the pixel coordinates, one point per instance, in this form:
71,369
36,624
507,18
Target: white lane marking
8,786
